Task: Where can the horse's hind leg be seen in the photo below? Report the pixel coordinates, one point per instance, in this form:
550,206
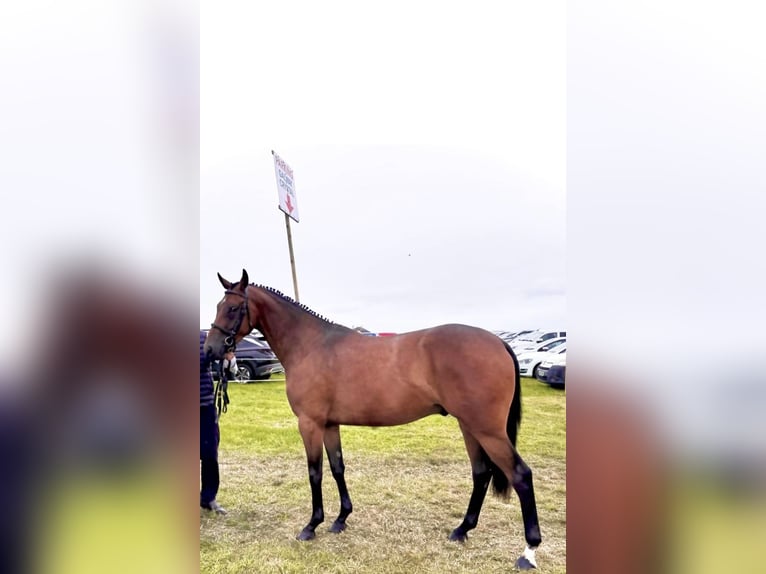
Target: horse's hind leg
335,456
312,433
508,461
481,473
522,484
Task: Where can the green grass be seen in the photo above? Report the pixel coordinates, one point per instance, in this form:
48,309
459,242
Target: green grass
409,484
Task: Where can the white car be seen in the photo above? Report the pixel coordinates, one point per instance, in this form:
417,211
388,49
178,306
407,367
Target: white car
529,340
529,347
530,361
520,334
504,335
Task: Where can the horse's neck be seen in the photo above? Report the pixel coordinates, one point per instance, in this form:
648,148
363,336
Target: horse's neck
287,328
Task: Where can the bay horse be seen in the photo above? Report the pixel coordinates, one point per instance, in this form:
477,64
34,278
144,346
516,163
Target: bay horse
336,376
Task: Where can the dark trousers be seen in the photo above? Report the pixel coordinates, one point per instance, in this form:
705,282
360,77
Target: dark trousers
209,437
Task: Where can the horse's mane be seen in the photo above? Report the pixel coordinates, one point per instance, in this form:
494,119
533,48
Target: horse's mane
294,302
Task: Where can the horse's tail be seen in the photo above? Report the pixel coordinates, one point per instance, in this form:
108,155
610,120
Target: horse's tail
500,484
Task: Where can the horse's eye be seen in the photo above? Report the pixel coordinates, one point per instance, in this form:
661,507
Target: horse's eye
232,309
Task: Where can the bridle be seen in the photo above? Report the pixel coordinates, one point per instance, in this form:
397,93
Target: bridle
229,340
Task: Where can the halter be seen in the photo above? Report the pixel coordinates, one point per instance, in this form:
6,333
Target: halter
229,340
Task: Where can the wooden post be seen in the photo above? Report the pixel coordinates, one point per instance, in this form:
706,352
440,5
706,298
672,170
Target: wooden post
292,256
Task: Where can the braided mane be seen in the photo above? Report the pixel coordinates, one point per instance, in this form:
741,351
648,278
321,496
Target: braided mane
293,302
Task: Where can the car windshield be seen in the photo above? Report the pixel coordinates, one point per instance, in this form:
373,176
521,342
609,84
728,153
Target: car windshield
549,346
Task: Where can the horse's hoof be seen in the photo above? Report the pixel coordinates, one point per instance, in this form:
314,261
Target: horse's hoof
527,560
306,534
458,535
337,527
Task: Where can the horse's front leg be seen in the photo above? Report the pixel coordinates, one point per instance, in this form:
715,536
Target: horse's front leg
313,436
335,456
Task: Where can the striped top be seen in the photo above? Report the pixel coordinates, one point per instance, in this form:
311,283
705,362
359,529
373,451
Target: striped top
206,394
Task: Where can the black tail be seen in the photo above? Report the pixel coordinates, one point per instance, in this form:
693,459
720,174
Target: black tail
500,484
514,414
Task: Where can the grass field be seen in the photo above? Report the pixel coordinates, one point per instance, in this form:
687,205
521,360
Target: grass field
409,484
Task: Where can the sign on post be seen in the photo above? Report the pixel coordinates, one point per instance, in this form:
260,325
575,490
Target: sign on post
288,202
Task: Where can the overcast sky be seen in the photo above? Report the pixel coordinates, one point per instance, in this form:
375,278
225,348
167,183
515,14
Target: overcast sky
428,145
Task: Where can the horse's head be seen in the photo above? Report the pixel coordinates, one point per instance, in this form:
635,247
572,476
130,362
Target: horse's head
232,319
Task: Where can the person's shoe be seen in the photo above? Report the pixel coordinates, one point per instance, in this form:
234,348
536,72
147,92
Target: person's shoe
215,507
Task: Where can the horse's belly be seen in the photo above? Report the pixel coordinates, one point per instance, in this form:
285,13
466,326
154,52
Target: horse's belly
381,411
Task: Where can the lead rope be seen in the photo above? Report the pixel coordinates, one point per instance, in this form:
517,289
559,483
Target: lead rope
222,392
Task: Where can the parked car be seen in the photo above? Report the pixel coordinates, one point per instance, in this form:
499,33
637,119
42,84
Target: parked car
518,335
530,361
543,346
255,359
364,332
557,373
553,371
528,341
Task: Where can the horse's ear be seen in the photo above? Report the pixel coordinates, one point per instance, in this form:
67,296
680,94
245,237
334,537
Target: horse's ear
245,281
226,284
